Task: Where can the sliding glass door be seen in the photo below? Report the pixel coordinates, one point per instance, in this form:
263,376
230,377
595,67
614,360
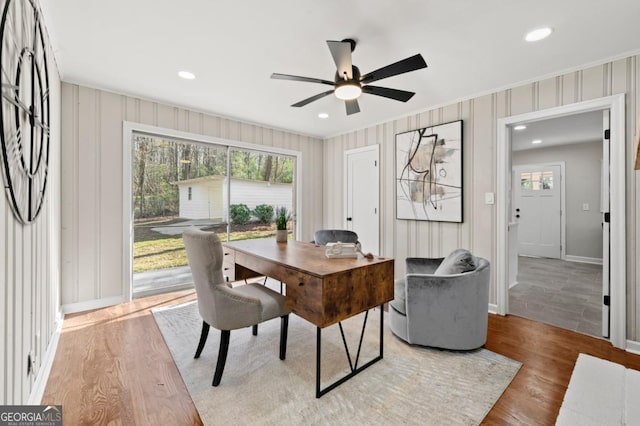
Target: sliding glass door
180,183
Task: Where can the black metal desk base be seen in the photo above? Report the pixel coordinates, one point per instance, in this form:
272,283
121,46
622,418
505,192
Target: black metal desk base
353,366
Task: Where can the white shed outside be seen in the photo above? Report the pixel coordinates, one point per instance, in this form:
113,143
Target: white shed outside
206,197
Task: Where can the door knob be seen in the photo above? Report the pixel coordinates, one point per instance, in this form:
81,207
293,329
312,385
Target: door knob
517,210
349,219
517,216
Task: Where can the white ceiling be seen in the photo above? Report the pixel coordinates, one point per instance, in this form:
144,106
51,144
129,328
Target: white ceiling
471,47
576,128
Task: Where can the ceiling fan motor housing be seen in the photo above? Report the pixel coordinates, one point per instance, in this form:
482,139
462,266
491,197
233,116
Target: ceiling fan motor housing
355,72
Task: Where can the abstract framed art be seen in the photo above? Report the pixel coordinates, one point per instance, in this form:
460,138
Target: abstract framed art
429,173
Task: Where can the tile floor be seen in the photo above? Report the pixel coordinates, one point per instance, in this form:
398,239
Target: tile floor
561,293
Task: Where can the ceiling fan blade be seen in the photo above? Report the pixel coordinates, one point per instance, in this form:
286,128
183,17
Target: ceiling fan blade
277,76
398,95
341,52
313,98
413,63
352,106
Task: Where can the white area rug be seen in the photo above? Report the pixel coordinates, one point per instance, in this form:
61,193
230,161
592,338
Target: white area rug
601,392
411,385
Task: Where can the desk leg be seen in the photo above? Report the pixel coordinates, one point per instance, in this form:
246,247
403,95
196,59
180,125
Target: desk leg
354,368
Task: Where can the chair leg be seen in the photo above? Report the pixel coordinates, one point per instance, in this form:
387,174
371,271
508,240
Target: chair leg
254,329
284,325
222,357
203,339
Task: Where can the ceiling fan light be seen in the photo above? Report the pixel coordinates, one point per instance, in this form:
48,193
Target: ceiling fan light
348,91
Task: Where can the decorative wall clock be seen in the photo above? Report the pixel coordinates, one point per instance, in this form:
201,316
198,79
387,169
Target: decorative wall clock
24,108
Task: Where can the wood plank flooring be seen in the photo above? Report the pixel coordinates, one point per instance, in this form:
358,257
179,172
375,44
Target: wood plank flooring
112,367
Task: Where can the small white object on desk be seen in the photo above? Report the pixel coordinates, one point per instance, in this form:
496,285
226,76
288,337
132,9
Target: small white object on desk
341,250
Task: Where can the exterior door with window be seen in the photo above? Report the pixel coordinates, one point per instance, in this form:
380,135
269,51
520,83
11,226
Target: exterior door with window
537,210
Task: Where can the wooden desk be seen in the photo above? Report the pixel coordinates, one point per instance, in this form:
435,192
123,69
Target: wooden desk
322,291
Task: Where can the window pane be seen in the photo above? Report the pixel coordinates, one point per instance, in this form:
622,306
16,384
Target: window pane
173,187
535,180
547,180
260,184
525,180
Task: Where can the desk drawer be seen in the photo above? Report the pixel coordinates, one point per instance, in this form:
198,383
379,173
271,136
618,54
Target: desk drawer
229,263
304,296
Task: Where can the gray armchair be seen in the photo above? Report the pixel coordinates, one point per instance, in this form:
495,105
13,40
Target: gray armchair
448,311
224,307
324,236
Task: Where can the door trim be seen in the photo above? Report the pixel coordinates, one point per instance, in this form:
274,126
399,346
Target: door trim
345,202
563,210
616,105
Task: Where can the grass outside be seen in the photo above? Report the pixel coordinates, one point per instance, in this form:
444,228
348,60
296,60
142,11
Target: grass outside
153,250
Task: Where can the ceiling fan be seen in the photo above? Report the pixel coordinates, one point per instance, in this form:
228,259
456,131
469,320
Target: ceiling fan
349,83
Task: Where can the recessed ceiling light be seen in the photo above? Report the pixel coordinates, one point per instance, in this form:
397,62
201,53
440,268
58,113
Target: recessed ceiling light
520,127
186,75
538,34
323,115
536,142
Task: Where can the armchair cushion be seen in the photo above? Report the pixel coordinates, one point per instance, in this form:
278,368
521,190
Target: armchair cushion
457,262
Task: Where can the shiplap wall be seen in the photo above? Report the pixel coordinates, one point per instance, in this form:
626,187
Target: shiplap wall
402,238
29,271
92,179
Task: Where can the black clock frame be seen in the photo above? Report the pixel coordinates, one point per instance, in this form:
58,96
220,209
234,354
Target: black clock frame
24,71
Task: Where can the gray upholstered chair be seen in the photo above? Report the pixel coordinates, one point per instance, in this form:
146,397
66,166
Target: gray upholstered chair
437,305
324,236
224,307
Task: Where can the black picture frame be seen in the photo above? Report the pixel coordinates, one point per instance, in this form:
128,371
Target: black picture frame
428,173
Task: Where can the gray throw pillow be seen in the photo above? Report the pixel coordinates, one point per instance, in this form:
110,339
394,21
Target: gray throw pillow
458,261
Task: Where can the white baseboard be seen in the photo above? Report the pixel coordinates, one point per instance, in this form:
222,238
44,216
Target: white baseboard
71,308
35,397
582,259
493,309
633,347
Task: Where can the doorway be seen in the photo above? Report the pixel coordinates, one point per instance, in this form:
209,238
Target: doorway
616,275
362,181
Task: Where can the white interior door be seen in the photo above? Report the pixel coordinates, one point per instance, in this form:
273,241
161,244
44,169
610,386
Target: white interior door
537,209
604,208
362,196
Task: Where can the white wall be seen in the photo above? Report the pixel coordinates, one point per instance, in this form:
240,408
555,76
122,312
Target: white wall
209,197
30,272
253,193
92,181
582,181
403,238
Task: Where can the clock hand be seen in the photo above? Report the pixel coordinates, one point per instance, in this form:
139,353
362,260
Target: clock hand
15,100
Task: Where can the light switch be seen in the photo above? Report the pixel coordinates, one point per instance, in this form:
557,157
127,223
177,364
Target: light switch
585,207
489,198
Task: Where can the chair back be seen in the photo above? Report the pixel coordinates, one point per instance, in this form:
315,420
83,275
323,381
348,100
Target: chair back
204,253
324,236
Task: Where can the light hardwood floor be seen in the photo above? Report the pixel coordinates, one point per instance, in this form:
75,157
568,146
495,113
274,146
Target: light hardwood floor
112,367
